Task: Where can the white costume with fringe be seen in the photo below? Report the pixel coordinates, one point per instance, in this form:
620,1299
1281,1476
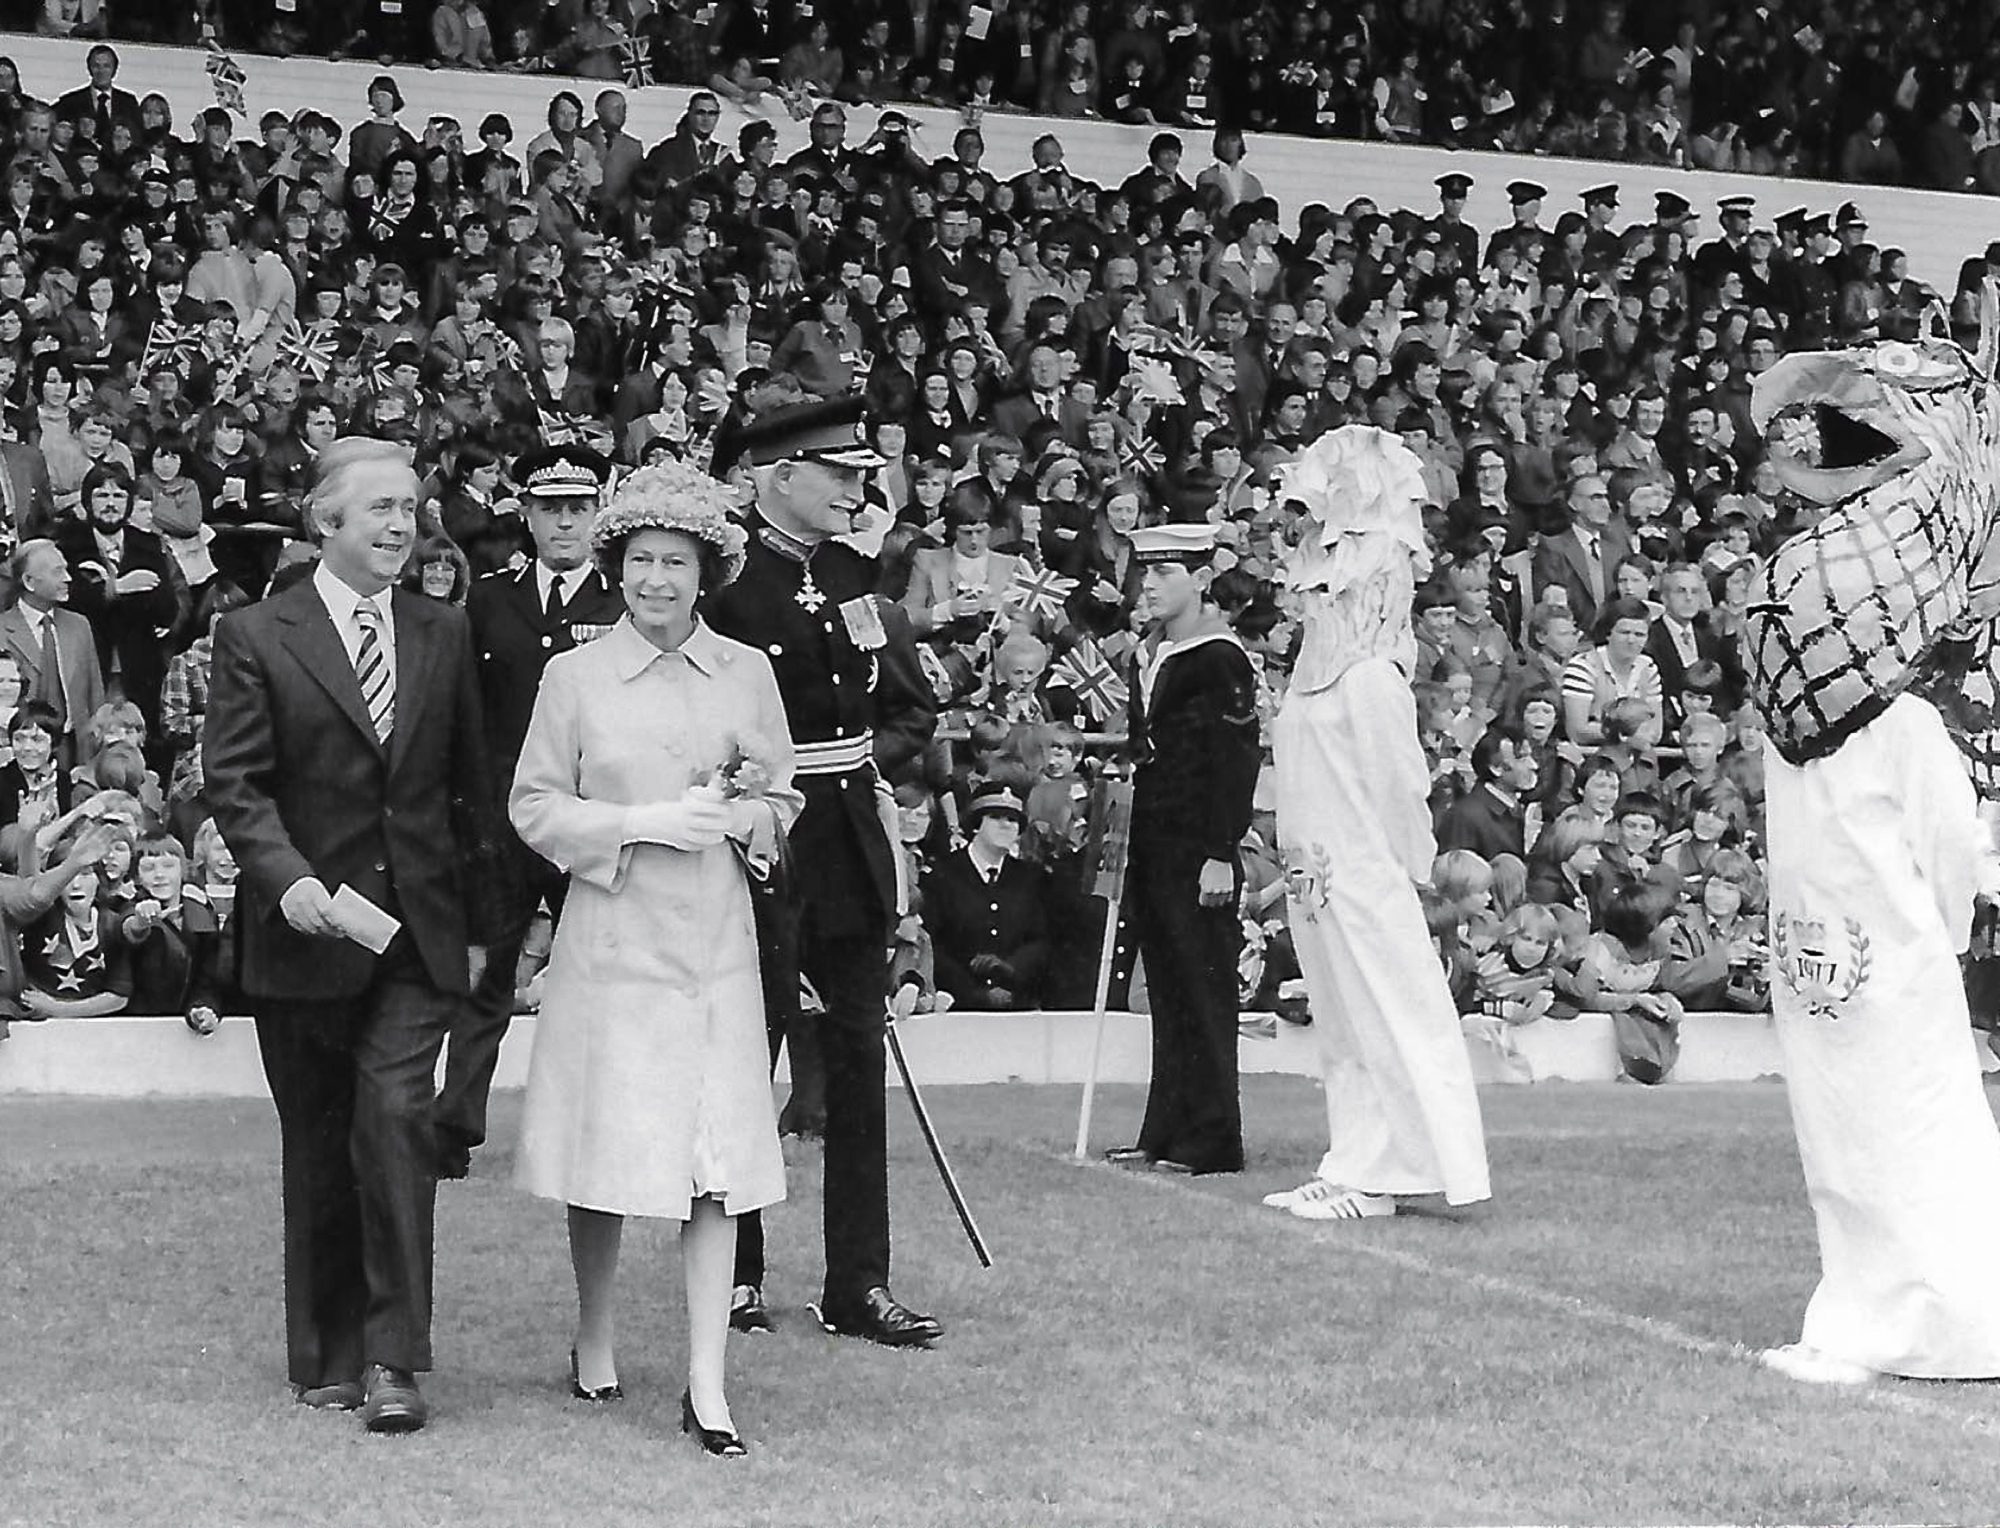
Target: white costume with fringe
1354,824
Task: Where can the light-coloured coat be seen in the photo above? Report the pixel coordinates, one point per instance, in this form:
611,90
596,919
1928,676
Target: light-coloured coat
650,1083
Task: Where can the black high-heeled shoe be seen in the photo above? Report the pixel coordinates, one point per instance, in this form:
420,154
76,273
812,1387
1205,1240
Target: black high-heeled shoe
598,1397
724,1445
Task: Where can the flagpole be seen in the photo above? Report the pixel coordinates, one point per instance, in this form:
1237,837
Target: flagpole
1110,841
1101,1008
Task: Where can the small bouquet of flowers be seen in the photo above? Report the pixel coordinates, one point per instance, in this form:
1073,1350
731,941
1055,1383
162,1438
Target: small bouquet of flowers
746,775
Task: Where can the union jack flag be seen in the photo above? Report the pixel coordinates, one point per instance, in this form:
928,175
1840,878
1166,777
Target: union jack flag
635,62
1176,344
1141,457
560,429
170,344
1039,592
228,78
309,351
1095,682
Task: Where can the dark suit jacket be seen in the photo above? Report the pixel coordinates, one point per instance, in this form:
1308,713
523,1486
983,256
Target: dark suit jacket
80,105
127,627
1017,414
300,786
1483,823
1710,647
515,638
76,647
1559,564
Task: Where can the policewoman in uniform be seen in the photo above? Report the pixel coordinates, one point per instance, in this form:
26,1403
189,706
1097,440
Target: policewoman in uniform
521,618
859,709
1194,737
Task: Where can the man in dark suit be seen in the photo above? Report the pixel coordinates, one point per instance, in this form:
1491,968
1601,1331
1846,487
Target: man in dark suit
520,620
344,751
122,582
1682,637
98,107
1042,398
987,911
951,271
1491,819
36,630
859,709
1583,560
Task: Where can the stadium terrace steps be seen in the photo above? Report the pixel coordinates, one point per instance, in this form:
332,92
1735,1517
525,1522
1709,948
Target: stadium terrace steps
1937,229
129,1057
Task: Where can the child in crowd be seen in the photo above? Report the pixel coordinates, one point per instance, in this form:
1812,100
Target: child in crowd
1019,667
74,962
27,898
1441,917
1715,946
1702,737
1516,977
170,932
1714,827
1620,975
1450,763
1631,732
1465,881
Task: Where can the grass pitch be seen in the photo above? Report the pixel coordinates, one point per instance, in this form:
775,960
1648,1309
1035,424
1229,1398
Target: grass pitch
1148,1352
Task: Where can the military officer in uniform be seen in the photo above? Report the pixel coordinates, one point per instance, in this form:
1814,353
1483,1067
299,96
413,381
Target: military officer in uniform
1526,231
1731,252
1601,243
1454,233
521,618
859,709
1194,734
1816,286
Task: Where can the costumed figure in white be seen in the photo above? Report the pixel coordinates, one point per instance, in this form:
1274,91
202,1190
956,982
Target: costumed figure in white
1354,825
1877,850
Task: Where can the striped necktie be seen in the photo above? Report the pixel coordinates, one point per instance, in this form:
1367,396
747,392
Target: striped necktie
371,667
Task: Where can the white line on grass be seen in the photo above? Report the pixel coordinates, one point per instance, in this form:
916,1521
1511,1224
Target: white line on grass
1650,1327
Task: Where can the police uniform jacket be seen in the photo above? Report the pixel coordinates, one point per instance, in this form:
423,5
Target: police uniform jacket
839,688
968,917
515,638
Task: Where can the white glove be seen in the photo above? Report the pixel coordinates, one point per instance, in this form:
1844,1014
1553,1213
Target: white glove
690,824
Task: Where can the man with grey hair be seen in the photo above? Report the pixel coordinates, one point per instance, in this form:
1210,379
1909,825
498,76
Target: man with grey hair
346,766
54,647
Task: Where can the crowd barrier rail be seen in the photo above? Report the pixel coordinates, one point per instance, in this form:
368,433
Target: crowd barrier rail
140,1057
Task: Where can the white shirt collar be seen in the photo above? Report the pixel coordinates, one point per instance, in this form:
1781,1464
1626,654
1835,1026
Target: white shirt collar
342,599
571,580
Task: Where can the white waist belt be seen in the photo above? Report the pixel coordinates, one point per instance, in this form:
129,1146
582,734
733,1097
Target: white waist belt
835,756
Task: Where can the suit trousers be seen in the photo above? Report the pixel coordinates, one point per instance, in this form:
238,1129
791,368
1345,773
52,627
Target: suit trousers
851,974
352,1078
481,1023
1193,1113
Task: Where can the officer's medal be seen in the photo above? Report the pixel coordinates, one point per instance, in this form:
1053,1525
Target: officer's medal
810,595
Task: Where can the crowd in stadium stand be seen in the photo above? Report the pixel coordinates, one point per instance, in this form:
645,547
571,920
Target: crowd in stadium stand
188,318
1853,90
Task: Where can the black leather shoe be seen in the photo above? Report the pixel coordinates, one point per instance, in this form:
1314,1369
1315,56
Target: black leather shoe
345,1395
1194,1169
881,1317
598,1397
394,1404
1128,1156
724,1445
747,1311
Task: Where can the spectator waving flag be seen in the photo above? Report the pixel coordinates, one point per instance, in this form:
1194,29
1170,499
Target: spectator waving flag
635,62
1095,681
170,344
228,78
560,429
1141,457
310,352
1038,592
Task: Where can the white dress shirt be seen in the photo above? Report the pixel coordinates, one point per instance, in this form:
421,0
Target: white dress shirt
341,599
571,579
